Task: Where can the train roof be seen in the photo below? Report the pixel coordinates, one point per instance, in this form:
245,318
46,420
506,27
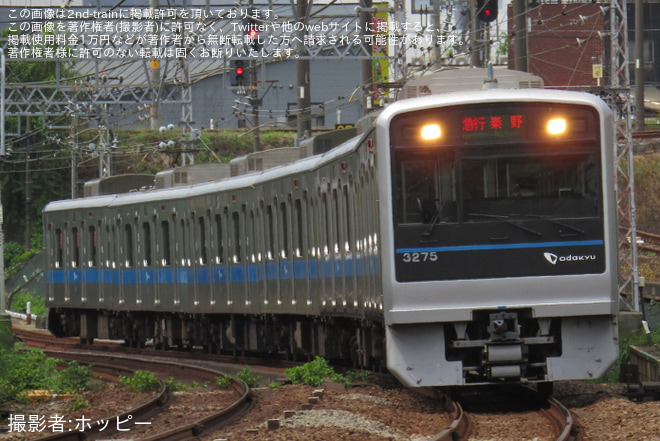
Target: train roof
491,96
183,192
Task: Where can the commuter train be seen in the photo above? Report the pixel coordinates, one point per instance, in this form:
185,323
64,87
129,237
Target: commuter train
464,238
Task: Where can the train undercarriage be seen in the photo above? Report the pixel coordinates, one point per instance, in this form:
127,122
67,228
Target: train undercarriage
358,343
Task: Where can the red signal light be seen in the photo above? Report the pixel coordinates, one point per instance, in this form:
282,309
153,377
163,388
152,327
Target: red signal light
239,70
253,33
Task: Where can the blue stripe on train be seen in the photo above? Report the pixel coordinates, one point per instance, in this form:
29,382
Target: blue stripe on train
300,269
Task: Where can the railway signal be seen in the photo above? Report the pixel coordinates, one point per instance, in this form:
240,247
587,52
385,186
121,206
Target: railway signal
251,28
487,10
239,73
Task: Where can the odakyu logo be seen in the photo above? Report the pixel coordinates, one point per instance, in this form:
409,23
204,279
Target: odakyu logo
554,259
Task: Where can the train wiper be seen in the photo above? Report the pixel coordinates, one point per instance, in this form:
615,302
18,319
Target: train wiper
507,219
575,230
434,220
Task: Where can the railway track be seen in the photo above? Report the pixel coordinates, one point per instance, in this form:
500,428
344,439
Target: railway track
114,365
461,424
494,411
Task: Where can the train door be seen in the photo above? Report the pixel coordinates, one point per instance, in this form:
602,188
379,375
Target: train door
202,271
220,274
285,255
237,274
129,295
300,254
185,283
91,263
146,275
272,268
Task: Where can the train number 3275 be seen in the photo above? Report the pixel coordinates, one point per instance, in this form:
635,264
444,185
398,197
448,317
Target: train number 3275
430,256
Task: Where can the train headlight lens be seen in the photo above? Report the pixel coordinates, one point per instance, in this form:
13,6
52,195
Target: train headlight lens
557,126
431,132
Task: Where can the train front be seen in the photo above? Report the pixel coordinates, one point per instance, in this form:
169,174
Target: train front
498,237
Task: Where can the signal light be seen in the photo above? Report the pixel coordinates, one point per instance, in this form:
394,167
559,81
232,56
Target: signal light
487,10
251,30
239,70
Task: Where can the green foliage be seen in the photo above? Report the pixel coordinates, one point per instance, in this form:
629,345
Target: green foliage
313,373
141,381
74,378
275,385
248,378
224,382
79,403
23,369
625,341
174,385
19,303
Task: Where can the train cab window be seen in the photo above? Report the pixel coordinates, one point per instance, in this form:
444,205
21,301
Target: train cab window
129,250
75,257
146,243
93,247
59,254
219,240
538,184
166,258
417,182
203,252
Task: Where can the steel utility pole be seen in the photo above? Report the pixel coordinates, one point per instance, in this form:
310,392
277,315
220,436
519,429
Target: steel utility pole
639,65
304,102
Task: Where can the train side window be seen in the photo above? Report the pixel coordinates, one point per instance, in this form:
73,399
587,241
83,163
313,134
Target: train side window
59,258
128,236
167,249
219,238
183,252
326,230
146,241
347,220
93,247
75,258
202,241
236,219
298,244
284,230
337,220
270,232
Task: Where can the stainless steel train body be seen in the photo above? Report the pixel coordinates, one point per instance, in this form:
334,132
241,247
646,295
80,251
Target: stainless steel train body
456,233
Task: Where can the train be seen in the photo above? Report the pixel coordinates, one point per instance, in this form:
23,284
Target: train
458,239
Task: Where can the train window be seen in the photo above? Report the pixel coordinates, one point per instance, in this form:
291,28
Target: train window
75,258
219,240
347,220
183,241
59,257
236,218
93,247
327,229
166,258
128,236
284,230
298,229
146,243
202,241
337,220
270,232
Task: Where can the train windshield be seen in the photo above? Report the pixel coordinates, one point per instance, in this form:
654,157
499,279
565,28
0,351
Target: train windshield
488,176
